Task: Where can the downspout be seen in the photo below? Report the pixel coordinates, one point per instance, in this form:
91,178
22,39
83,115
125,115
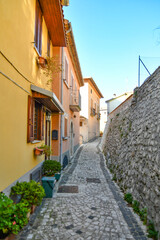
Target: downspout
61,133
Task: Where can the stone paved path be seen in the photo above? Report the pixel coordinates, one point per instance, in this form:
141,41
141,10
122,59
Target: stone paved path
96,211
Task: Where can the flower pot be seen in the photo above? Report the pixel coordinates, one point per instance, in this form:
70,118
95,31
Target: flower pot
57,176
48,185
7,236
3,235
42,62
28,215
33,208
38,151
10,237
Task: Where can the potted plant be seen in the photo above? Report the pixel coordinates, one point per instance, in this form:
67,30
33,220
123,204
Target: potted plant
42,62
38,151
51,167
31,193
51,67
13,217
49,170
46,150
43,149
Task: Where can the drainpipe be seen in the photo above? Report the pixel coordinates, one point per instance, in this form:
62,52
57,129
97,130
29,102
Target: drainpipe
61,142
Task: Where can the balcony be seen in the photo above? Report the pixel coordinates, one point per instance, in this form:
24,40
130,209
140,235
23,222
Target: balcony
98,116
75,101
93,112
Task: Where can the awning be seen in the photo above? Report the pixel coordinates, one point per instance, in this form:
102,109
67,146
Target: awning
47,98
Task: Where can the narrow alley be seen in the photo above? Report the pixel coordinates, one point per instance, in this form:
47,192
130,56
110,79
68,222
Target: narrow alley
86,205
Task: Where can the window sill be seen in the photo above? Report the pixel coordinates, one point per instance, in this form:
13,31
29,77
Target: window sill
65,138
36,50
36,141
66,83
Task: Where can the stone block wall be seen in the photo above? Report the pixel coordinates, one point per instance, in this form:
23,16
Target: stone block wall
131,144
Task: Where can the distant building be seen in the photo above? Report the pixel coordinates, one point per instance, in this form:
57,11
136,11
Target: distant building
116,101
103,120
90,111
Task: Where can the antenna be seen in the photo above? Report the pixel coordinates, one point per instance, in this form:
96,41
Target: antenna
139,69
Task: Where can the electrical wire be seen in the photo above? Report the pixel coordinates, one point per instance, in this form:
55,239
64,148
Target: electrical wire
15,67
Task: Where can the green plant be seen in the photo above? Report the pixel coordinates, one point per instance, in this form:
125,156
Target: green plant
135,206
152,233
52,67
46,150
143,215
12,216
31,192
130,126
114,178
128,197
121,135
50,167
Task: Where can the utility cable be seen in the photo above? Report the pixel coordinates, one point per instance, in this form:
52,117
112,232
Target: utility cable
15,67
14,82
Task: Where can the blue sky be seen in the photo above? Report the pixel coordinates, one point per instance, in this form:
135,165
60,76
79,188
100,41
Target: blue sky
110,36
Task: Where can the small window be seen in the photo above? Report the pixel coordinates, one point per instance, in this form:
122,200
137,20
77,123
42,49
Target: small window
38,28
81,124
65,127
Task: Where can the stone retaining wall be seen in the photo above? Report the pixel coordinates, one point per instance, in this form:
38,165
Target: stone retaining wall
131,144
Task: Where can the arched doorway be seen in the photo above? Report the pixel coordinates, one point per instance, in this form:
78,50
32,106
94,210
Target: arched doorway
71,140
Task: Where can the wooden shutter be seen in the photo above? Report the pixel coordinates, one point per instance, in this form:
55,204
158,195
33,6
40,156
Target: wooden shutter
66,127
30,125
41,124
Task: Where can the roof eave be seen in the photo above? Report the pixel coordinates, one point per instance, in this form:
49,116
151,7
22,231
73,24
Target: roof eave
73,52
53,15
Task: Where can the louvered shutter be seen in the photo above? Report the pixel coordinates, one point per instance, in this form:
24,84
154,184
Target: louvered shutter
41,124
30,127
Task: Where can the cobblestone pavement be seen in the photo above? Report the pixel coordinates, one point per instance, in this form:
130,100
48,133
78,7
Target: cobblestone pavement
94,210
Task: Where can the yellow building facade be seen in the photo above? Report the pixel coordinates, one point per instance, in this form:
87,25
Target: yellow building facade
27,32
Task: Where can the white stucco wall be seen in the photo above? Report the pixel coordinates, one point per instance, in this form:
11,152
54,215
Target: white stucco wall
84,101
103,120
112,104
84,130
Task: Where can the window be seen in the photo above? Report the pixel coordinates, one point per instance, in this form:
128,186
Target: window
38,28
66,70
81,124
72,82
91,103
65,127
48,45
35,120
